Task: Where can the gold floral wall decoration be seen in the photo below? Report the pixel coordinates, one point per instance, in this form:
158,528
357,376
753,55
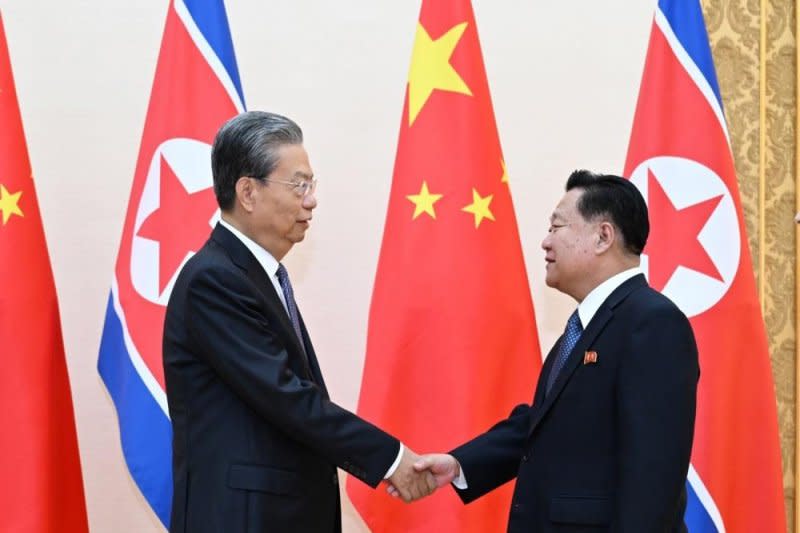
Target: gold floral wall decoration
754,44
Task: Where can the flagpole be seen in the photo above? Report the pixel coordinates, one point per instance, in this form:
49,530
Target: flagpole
762,152
797,284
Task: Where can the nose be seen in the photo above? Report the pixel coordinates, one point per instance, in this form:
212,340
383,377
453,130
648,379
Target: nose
310,201
546,243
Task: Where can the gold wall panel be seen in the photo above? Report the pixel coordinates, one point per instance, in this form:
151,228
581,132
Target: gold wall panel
755,52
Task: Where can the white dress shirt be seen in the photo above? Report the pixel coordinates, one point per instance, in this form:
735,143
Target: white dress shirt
264,258
589,306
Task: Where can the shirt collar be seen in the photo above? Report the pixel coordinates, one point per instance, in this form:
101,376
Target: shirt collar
589,306
264,258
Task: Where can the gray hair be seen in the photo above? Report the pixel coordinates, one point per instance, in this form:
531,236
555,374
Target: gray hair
247,145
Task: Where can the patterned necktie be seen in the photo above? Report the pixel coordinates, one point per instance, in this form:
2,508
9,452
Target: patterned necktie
291,305
568,341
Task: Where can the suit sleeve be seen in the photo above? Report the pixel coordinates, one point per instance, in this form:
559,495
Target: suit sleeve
656,412
492,458
235,337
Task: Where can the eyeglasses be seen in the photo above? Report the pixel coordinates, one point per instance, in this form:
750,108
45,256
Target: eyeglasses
300,188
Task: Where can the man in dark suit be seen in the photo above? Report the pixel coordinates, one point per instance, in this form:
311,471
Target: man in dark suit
605,445
256,439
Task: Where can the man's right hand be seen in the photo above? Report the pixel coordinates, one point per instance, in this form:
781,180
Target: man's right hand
443,467
409,483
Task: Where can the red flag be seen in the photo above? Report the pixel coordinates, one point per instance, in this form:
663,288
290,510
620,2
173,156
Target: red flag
42,489
697,254
452,343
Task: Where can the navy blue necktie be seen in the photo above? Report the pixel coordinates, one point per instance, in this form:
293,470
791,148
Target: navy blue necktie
291,305
568,341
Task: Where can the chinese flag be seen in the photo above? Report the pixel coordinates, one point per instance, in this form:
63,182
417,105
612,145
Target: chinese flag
42,490
697,254
452,343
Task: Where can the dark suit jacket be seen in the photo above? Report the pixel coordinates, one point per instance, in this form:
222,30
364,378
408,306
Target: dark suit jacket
608,448
256,440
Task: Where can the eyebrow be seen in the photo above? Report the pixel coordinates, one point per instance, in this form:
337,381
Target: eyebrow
301,174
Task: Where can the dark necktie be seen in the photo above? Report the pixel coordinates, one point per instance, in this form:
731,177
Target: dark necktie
568,341
291,305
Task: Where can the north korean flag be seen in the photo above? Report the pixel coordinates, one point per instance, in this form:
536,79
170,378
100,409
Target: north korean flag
697,254
171,212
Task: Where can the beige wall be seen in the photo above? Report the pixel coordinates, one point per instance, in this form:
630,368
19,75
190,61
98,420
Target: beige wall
564,77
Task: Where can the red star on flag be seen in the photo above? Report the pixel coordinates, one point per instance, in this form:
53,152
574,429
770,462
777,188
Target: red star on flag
673,236
179,225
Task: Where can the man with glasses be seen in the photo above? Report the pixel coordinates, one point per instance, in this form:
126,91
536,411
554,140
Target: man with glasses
256,438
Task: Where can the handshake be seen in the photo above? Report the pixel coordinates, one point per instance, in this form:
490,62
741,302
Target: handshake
418,476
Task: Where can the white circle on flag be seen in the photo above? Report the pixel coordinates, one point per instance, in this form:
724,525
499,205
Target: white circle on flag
686,183
190,160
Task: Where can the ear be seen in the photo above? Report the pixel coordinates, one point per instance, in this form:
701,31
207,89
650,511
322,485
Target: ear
606,237
245,193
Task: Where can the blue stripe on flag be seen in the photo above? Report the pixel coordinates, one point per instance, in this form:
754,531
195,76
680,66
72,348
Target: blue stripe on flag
686,19
145,431
697,518
210,17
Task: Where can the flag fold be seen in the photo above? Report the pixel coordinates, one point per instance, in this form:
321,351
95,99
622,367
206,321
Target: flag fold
42,488
170,215
452,343
697,254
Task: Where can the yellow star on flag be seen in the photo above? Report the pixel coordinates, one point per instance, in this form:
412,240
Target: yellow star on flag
423,202
504,179
480,207
431,69
9,203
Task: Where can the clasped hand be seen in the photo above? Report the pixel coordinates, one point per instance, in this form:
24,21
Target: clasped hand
419,476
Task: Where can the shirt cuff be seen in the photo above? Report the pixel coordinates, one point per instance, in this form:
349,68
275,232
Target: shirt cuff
460,482
396,463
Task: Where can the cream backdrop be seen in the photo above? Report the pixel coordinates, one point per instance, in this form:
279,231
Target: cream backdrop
564,78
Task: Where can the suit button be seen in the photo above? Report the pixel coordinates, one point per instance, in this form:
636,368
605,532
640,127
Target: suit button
525,458
335,479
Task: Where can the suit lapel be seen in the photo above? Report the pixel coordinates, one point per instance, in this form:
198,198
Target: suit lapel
547,367
575,358
316,372
245,260
598,323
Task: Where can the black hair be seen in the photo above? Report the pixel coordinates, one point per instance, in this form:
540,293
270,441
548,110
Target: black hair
247,145
615,198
